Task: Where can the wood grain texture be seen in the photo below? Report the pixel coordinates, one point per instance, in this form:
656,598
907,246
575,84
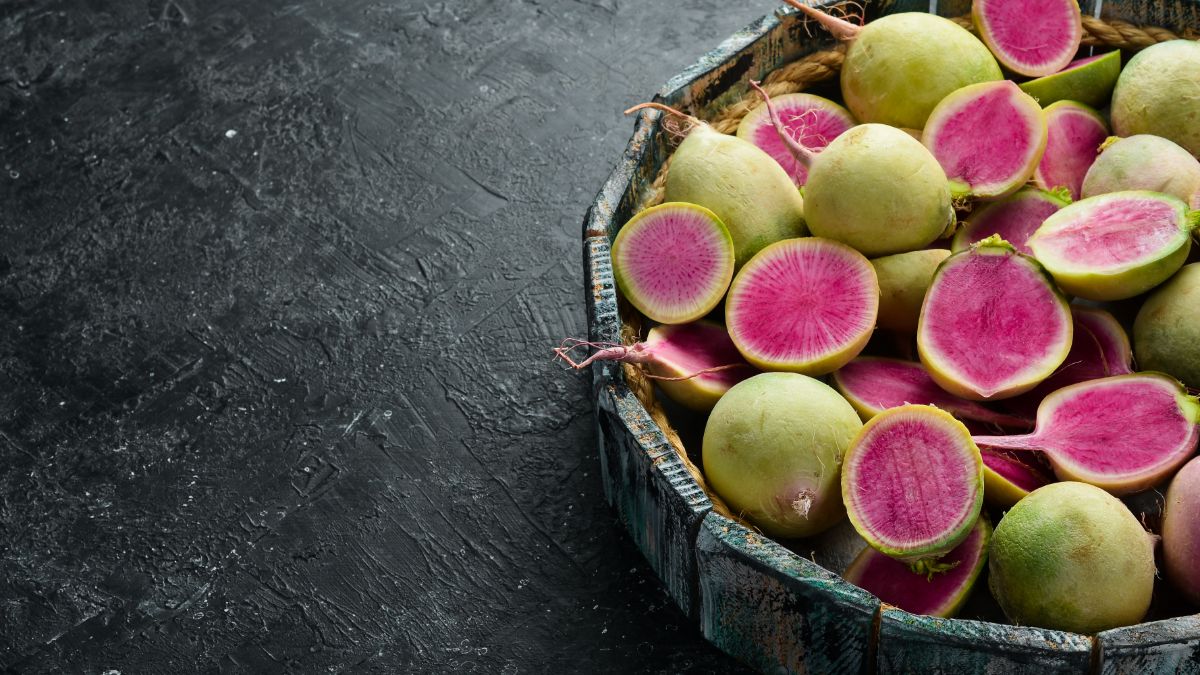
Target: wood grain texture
1171,646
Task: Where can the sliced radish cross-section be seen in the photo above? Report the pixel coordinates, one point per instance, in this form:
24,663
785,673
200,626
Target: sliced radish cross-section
1030,37
939,593
812,121
1006,479
1076,133
912,481
873,384
1014,218
988,138
1115,246
673,261
803,305
1123,434
993,324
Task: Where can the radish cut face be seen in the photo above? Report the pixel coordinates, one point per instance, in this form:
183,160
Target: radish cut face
941,594
1006,479
1089,81
673,261
803,305
993,325
1030,37
1123,434
686,351
873,384
811,120
988,138
1076,133
1014,218
912,482
1115,246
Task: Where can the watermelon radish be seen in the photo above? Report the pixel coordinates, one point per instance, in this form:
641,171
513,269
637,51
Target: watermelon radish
1145,162
693,363
988,137
993,324
773,449
1123,434
673,262
1158,93
903,280
910,205
1015,218
1166,332
1117,245
899,66
1076,133
1007,479
1071,557
751,194
1089,81
934,594
873,384
1181,531
912,482
810,120
1030,38
803,305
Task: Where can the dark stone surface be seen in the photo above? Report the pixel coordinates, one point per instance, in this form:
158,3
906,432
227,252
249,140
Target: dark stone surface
278,283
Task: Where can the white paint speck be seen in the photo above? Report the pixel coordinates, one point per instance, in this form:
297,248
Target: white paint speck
230,133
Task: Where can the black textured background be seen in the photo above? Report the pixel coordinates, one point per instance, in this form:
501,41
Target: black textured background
278,283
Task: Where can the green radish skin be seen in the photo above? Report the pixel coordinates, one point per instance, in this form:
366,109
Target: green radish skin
903,280
773,449
1144,162
878,190
899,66
1181,531
1158,93
1089,81
748,190
1166,332
1070,556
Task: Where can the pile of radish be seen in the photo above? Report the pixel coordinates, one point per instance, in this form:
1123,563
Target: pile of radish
904,312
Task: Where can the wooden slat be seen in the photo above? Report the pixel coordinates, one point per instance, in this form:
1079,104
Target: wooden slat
1169,646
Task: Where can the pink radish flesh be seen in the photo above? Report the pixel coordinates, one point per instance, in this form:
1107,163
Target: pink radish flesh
1075,134
1014,470
811,120
1122,434
1014,218
673,262
807,305
913,482
993,323
939,594
1030,37
988,137
1111,231
873,384
698,347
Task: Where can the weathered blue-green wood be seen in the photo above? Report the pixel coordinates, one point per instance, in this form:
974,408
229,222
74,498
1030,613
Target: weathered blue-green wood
1161,647
775,610
909,643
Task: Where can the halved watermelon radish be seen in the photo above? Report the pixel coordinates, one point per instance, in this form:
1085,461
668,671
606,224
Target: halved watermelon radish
993,324
673,262
1123,434
1030,38
1076,133
1145,162
693,363
939,594
803,305
810,120
1089,80
873,384
1015,218
1116,245
988,138
1007,479
912,482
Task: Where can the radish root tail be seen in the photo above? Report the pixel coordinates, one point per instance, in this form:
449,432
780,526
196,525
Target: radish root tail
801,153
842,29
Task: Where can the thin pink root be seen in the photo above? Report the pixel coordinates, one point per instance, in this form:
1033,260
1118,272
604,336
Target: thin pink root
605,351
840,28
801,153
